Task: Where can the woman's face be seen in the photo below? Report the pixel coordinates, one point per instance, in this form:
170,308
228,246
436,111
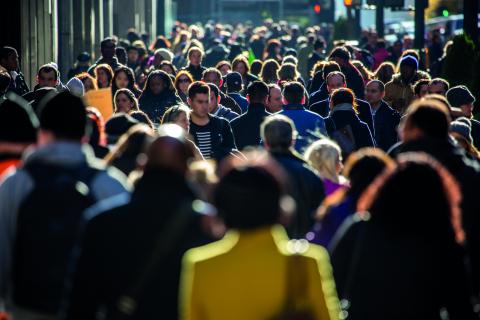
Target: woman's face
121,81
195,58
225,69
183,121
240,68
88,85
183,83
102,79
156,85
123,103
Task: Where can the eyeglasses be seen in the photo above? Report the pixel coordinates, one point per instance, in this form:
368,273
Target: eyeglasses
183,80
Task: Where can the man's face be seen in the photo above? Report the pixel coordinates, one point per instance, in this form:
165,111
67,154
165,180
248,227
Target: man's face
47,79
407,72
437,88
335,82
195,58
212,102
373,93
108,50
212,77
132,56
467,110
11,62
423,91
200,105
274,102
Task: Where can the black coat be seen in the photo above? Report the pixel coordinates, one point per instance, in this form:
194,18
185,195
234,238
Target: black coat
229,103
155,106
386,121
319,95
363,108
305,187
118,243
360,130
354,80
476,133
196,72
246,128
387,275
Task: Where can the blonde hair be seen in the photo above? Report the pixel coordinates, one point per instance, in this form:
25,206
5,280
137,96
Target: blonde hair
324,155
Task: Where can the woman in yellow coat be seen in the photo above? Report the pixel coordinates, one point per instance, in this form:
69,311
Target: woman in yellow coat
244,275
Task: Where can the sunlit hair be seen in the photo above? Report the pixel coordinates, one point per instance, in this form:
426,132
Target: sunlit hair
84,76
108,70
241,59
324,156
129,94
343,95
268,74
288,72
182,73
384,72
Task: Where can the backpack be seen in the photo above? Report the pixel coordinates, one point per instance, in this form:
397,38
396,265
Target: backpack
344,137
48,223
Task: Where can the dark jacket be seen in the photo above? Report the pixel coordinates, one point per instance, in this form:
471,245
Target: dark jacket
475,132
339,119
319,95
387,275
225,113
114,64
19,85
363,108
354,80
467,173
386,121
313,59
246,128
305,187
196,72
229,103
118,242
215,54
240,100
155,106
215,139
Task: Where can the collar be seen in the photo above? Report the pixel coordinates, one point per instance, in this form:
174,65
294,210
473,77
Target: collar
293,106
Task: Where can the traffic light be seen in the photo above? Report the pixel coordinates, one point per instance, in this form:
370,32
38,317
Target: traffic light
352,3
317,8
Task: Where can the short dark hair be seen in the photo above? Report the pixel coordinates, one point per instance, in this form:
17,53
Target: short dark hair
213,88
293,92
330,66
418,85
319,44
257,91
198,87
442,81
335,73
340,52
380,84
6,51
430,116
278,131
343,95
46,68
105,41
212,70
64,115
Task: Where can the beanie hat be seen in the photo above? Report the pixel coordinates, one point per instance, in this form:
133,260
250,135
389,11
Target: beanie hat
18,122
463,129
64,114
118,125
409,61
459,96
75,86
165,54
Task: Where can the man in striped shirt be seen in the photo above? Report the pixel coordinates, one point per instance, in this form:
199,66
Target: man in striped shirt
212,135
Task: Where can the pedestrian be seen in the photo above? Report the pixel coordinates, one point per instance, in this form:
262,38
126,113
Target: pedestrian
46,198
384,72
123,78
224,67
47,76
104,76
240,65
461,131
89,82
274,100
107,48
195,56
438,86
125,101
214,76
81,65
182,81
353,77
268,74
420,88
234,86
246,128
158,95
252,262
317,55
9,61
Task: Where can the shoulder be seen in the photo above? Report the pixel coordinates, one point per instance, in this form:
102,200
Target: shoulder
211,252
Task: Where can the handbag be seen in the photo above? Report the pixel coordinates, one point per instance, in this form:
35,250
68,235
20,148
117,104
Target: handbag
297,306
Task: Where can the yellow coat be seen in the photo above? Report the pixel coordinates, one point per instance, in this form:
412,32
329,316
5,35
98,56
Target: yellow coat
243,276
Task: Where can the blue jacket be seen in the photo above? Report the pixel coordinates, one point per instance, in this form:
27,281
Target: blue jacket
310,126
241,100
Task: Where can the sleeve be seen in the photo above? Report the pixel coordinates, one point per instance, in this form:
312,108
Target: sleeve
321,290
389,97
228,141
189,299
109,183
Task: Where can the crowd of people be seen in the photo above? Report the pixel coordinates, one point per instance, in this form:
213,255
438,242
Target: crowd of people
244,174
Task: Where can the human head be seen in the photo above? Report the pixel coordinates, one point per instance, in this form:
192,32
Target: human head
214,99
18,122
325,156
240,64
278,133
107,47
178,114
132,54
142,117
198,99
160,56
9,58
257,92
233,82
89,82
426,119
421,88
47,76
195,56
343,96
104,75
125,101
385,72
329,67
288,72
274,101
224,67
212,75
461,130
123,77
182,81
340,55
438,86
395,192
256,67
157,82
121,54
293,93
268,74
335,80
63,116
408,67
461,97
374,92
